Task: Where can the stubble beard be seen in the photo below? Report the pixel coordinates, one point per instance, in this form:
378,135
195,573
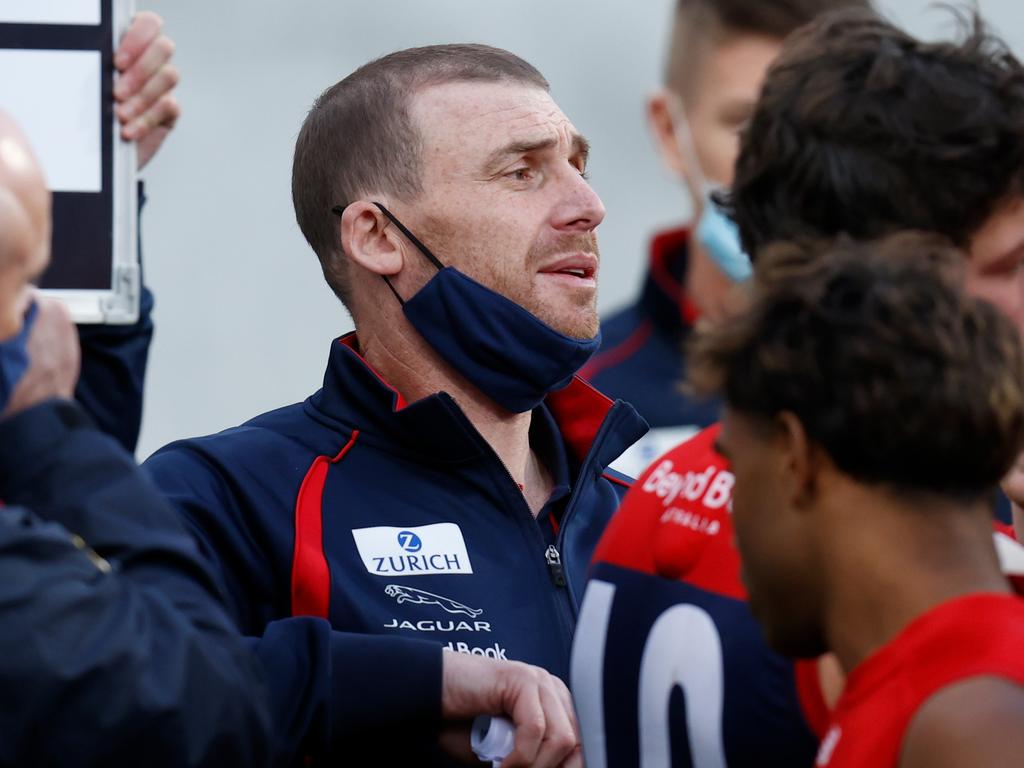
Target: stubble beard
577,317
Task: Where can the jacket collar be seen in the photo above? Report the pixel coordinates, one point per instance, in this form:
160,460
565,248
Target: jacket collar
355,396
663,297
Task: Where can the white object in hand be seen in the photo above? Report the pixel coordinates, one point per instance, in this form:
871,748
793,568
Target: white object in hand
492,738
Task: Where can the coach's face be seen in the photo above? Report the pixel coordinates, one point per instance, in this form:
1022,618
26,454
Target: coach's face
505,198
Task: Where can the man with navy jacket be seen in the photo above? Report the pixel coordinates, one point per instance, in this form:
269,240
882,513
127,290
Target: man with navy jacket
439,498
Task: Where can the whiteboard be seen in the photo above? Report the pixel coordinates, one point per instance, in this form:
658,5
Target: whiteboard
56,80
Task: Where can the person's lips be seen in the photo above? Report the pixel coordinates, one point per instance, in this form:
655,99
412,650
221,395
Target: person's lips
580,267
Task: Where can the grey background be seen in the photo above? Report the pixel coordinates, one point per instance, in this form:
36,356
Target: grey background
243,316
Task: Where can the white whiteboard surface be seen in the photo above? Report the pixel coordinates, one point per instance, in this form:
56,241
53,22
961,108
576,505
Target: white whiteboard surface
59,107
50,12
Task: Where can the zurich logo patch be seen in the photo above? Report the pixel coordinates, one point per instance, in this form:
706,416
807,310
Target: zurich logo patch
420,550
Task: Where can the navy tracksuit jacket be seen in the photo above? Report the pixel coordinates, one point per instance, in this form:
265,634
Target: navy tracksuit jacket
399,524
114,648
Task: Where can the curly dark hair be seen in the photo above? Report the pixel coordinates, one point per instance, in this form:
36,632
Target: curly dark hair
863,129
902,378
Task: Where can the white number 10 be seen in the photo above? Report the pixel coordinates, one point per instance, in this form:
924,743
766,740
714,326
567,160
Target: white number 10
682,649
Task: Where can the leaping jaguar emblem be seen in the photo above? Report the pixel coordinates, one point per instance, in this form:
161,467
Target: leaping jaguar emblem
418,596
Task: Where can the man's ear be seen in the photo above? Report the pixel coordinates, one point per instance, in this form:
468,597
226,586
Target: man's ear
368,239
661,118
663,113
800,459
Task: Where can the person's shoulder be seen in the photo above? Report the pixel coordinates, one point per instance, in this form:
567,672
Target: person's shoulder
666,481
977,721
284,434
691,454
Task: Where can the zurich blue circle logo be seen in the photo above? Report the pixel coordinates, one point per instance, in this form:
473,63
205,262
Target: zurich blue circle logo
409,541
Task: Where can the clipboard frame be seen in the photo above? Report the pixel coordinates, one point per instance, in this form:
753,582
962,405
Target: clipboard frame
117,304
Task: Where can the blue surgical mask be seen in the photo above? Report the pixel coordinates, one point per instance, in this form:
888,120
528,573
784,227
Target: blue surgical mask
715,231
508,353
14,359
721,240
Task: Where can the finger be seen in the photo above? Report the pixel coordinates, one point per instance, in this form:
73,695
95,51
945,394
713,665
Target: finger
25,298
566,698
528,716
164,114
141,32
162,82
148,64
575,760
560,737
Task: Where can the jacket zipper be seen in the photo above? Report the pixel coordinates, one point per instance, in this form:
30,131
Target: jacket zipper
570,507
554,560
552,557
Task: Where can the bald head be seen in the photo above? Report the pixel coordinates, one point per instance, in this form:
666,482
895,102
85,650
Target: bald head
24,223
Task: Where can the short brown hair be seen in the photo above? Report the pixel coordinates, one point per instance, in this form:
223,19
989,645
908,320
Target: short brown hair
898,374
699,24
359,136
863,129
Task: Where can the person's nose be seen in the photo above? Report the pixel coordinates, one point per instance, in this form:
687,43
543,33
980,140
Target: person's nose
579,207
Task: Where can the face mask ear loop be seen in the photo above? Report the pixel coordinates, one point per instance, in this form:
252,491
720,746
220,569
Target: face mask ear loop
412,238
389,285
338,210
684,139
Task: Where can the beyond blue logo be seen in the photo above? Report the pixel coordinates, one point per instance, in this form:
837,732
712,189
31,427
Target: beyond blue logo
409,541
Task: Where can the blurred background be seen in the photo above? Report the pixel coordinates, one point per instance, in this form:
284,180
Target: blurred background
243,316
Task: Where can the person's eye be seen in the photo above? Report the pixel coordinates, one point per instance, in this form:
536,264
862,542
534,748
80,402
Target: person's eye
523,173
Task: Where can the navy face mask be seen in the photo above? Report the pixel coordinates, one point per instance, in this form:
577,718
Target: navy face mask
14,359
505,351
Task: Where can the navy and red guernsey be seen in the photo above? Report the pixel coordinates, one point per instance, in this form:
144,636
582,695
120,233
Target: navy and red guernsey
641,359
669,667
399,524
973,636
668,661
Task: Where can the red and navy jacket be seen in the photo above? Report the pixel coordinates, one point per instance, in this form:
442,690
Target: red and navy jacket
398,523
669,662
641,359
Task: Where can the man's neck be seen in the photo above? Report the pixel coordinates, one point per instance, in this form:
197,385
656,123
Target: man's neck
888,562
415,370
710,290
